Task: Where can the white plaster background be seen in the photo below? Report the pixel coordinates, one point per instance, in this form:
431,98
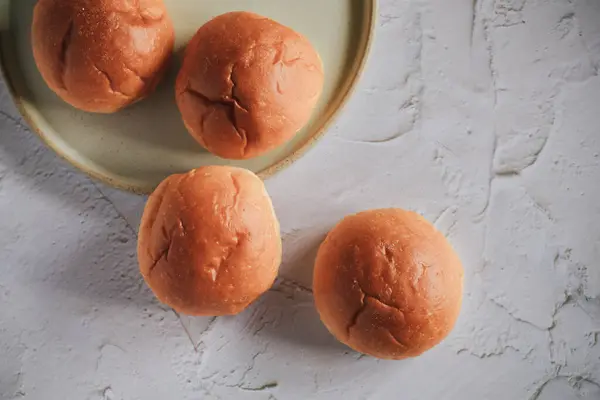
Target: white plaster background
483,115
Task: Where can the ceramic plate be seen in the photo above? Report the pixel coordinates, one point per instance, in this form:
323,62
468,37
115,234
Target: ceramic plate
139,146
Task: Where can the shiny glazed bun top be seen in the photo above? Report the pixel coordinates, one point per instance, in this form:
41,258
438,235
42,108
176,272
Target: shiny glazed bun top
101,55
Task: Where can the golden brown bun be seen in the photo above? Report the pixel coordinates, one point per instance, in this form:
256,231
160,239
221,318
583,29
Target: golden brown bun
101,55
209,241
247,85
388,284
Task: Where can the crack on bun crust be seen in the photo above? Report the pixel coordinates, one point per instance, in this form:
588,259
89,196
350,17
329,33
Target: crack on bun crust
152,210
398,341
133,72
371,301
110,81
366,300
354,318
233,97
228,105
238,103
237,188
163,255
389,255
64,48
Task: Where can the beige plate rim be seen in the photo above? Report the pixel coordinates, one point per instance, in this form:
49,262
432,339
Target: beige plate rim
334,111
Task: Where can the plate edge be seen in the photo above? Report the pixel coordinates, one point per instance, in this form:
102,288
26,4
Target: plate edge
349,88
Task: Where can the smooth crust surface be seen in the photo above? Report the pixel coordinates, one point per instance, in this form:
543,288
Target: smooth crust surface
209,241
248,84
388,284
102,55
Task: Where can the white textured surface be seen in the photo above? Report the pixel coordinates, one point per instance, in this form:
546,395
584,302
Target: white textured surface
483,115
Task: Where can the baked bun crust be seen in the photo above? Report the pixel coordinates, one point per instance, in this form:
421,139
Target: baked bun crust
248,84
209,241
388,284
102,55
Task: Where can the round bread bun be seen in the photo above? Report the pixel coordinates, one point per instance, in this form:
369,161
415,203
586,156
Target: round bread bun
248,84
102,55
209,241
388,284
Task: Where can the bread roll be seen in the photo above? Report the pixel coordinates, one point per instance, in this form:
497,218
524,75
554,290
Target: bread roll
101,55
247,85
388,284
209,241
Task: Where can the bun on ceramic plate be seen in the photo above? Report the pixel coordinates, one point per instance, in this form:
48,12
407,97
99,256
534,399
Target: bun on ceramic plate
102,55
247,85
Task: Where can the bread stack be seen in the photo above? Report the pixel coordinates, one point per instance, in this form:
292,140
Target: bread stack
386,282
